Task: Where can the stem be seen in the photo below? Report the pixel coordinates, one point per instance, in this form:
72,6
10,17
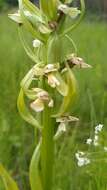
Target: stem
47,150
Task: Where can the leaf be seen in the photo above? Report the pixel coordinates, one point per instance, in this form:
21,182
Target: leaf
9,183
27,48
24,112
71,95
34,173
54,49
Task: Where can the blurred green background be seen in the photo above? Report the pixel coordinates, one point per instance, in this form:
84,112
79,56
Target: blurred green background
16,136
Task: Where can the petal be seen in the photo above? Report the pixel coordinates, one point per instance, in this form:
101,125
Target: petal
37,105
53,81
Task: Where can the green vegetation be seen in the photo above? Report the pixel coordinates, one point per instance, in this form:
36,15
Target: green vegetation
16,136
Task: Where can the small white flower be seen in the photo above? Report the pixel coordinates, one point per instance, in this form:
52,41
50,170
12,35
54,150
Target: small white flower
89,141
36,43
105,148
79,154
81,159
98,128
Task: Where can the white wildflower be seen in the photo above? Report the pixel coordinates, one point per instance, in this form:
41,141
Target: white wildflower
81,159
89,141
98,128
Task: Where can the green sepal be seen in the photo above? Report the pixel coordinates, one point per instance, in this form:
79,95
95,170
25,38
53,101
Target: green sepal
68,100
34,172
24,112
63,87
9,183
54,49
31,7
49,8
16,18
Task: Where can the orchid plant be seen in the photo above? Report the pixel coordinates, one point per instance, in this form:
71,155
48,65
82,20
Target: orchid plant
49,89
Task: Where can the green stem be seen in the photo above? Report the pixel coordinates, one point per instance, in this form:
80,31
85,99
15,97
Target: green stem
47,150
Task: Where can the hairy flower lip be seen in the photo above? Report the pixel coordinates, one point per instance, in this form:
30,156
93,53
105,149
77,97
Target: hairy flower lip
37,105
52,80
42,98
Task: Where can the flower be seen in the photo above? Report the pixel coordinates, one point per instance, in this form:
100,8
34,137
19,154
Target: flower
73,60
50,71
70,11
81,159
36,43
98,128
89,141
42,98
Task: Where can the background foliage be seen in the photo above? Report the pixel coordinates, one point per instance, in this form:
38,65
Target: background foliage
95,6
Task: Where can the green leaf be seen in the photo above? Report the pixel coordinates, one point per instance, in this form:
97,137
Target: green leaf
26,46
54,49
9,183
34,172
24,112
